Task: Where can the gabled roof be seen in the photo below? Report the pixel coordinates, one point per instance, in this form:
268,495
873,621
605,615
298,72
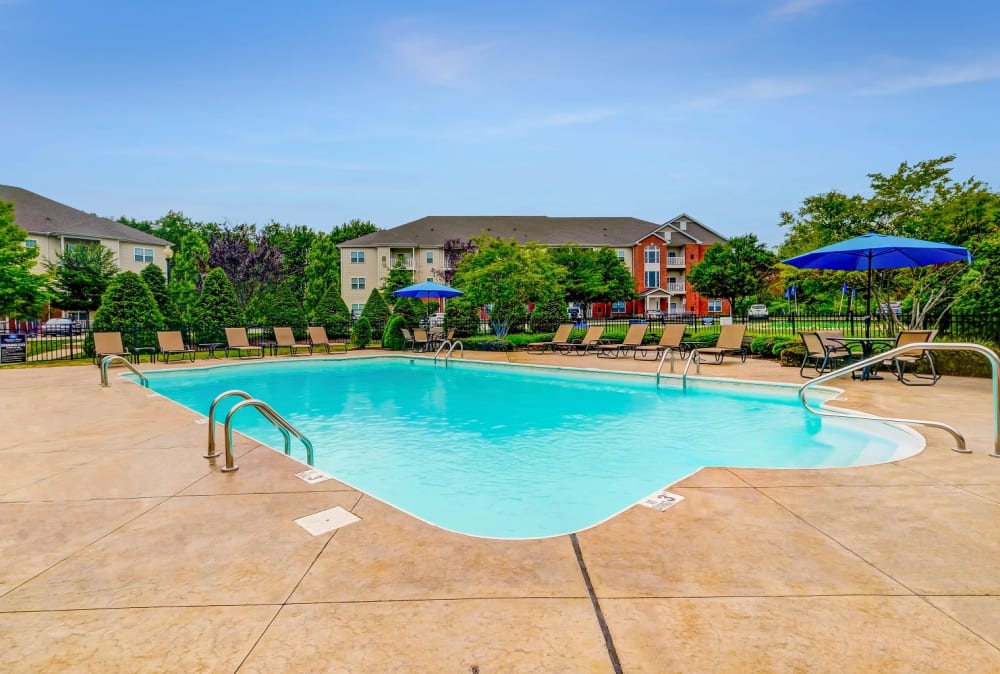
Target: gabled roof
432,231
694,230
46,217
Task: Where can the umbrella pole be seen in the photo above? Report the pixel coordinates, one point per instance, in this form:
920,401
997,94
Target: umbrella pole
868,318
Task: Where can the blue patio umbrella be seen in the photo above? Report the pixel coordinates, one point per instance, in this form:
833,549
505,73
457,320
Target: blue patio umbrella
428,290
879,251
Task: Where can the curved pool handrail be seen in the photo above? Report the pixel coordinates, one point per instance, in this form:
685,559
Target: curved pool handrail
268,412
451,344
212,453
663,358
107,360
916,346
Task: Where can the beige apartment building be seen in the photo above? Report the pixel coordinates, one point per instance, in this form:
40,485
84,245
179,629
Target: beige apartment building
657,255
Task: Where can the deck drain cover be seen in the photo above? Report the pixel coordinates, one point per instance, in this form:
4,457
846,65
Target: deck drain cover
326,521
312,476
661,500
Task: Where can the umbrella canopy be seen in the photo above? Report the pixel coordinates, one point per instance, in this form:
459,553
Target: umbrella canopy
428,290
878,251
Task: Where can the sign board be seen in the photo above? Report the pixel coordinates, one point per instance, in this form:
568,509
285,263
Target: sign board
13,349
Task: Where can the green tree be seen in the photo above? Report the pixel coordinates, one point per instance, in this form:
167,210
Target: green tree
462,315
22,293
918,201
398,277
80,275
154,279
376,310
187,271
129,307
216,309
322,270
593,275
332,313
548,315
507,276
362,333
294,242
284,309
393,338
411,310
734,271
173,226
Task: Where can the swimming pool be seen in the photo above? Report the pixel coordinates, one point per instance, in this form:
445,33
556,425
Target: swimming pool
512,451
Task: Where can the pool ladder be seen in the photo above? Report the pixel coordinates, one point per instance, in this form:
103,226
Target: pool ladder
451,344
107,360
917,346
287,430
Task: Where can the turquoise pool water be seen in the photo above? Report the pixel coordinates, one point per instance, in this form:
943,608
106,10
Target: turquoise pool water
523,452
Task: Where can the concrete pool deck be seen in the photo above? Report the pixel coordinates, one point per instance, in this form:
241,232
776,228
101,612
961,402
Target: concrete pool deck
123,550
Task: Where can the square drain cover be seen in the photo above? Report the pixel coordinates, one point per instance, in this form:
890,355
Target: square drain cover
326,521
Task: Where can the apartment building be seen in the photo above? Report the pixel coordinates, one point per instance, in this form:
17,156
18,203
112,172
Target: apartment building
657,255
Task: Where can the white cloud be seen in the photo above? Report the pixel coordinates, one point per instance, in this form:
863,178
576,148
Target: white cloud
791,8
935,76
520,126
432,62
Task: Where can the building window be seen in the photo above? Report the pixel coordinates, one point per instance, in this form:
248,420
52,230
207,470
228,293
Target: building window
357,283
430,257
621,253
30,243
715,306
652,255
356,309
430,279
143,254
652,279
357,257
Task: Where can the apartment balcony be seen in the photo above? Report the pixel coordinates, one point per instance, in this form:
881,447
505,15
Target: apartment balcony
675,263
675,287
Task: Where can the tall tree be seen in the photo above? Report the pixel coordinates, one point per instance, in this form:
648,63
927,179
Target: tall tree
322,270
128,307
216,308
251,261
376,310
187,271
283,308
398,277
593,275
508,276
332,313
734,271
453,251
22,293
294,242
80,275
153,277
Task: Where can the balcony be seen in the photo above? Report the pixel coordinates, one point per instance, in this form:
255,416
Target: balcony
675,287
675,263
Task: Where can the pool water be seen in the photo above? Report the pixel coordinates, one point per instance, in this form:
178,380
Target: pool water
522,452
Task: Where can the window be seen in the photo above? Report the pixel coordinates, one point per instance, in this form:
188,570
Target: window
356,309
357,283
652,254
430,279
621,253
30,243
357,257
430,257
143,254
652,279
715,306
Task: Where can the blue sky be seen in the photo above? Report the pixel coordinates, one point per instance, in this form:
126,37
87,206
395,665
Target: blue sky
314,113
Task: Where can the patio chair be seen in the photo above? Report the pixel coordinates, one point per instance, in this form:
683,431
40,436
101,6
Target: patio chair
236,340
730,342
633,339
591,340
110,344
561,338
671,339
911,359
822,354
407,339
284,338
318,338
419,339
172,344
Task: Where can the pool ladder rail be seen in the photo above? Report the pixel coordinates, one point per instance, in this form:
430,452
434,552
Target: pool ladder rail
451,344
268,412
928,346
107,360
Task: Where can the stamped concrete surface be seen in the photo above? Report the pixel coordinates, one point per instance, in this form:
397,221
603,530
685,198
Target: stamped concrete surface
123,550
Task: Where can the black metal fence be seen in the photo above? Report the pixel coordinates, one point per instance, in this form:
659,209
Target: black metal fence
953,326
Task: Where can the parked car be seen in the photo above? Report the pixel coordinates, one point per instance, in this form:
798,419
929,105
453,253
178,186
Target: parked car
436,320
757,312
654,314
62,326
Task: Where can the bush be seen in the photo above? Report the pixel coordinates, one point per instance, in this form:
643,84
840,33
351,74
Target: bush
362,333
393,338
462,315
332,313
282,308
547,316
216,308
963,363
129,307
412,311
376,310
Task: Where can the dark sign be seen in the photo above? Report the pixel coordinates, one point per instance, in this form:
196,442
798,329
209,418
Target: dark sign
13,348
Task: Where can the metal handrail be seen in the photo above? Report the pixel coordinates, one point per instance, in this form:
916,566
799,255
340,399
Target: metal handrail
268,413
107,360
451,344
659,367
907,348
212,453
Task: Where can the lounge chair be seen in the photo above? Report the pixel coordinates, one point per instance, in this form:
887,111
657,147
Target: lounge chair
561,338
110,344
318,339
633,339
172,344
236,340
591,340
672,339
910,358
730,342
284,338
823,354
